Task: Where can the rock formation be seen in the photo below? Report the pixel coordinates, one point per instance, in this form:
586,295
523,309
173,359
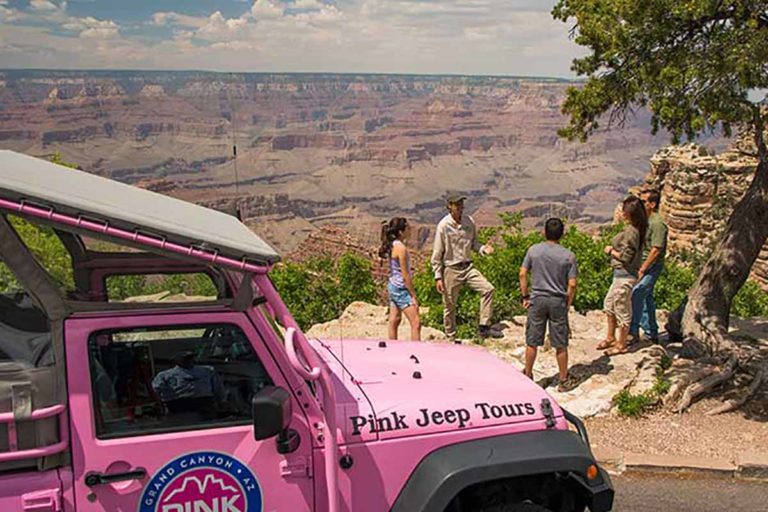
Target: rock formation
699,191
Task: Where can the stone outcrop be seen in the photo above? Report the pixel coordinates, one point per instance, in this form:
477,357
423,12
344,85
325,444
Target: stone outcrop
699,191
366,321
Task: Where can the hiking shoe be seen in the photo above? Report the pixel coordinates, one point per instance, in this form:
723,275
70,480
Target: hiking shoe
486,331
567,385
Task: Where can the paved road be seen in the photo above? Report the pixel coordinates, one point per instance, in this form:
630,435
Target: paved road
655,494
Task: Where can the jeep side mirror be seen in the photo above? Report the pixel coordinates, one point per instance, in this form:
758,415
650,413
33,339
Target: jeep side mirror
272,411
271,408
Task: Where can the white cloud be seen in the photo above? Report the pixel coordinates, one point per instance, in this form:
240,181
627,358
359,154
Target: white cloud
266,10
220,28
92,28
46,6
9,14
410,36
308,4
233,45
161,19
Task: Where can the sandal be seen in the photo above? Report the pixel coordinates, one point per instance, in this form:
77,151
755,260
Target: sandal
568,384
605,344
616,351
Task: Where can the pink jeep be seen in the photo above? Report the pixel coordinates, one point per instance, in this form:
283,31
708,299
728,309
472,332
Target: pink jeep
222,404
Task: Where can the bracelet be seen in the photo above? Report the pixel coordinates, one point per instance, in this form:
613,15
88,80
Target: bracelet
525,297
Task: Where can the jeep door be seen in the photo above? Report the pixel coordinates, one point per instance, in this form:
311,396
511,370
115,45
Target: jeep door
161,417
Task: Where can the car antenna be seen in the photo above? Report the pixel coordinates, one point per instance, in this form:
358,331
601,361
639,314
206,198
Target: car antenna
233,127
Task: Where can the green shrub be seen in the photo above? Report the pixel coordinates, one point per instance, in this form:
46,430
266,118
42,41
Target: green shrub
319,290
47,249
750,301
661,386
122,287
633,406
595,276
673,285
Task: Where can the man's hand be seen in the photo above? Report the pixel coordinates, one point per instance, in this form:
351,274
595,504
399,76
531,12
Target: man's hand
526,303
608,249
486,249
439,286
415,301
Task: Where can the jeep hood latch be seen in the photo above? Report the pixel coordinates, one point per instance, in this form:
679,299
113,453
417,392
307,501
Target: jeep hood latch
546,410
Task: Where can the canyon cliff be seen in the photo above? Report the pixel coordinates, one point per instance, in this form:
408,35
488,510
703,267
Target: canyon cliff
699,191
318,150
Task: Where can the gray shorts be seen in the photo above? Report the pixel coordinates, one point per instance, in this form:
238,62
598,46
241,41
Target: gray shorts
543,310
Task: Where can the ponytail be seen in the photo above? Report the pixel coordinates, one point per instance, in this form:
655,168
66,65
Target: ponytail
391,231
635,210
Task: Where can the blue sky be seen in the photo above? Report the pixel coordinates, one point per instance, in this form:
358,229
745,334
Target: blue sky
499,37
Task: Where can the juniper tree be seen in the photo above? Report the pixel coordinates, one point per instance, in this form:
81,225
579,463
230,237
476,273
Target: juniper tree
692,64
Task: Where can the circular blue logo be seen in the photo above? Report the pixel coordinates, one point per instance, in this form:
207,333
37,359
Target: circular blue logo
203,481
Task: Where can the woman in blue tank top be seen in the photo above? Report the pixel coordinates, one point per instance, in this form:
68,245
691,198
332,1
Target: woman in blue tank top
402,294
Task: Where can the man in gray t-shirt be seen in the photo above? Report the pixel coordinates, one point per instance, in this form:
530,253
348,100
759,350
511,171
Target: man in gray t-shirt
553,287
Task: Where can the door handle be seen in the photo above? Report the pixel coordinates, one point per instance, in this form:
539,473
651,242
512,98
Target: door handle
93,478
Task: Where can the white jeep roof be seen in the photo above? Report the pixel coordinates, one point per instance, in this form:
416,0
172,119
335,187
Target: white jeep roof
74,192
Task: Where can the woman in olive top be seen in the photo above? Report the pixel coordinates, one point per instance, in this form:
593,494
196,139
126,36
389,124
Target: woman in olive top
626,256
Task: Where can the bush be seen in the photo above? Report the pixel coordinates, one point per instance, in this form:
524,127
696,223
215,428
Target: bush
595,276
750,301
123,287
48,251
319,290
633,406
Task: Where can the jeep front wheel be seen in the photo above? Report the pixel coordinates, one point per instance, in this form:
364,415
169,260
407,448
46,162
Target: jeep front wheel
532,493
516,507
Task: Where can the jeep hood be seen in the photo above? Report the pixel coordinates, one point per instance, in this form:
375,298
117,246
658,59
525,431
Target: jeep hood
393,389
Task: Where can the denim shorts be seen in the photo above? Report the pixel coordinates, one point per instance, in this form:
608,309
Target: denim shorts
399,296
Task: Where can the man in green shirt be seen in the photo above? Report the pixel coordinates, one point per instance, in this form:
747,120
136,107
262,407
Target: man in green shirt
654,250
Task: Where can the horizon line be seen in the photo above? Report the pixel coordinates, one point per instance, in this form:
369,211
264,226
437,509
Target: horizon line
305,73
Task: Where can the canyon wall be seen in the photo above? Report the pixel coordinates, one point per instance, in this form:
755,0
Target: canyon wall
328,149
698,194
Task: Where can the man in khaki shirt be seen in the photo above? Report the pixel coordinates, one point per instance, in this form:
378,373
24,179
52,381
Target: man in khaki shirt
455,241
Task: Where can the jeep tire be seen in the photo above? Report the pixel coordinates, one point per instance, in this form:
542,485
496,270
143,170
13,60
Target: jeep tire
516,507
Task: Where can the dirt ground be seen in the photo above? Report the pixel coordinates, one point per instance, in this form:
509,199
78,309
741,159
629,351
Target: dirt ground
690,434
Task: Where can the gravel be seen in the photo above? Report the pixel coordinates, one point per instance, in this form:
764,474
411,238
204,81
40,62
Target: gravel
690,434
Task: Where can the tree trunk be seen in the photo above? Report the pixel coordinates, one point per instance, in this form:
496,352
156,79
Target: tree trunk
705,321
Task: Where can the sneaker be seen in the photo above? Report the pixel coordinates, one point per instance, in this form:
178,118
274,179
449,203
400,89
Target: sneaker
486,331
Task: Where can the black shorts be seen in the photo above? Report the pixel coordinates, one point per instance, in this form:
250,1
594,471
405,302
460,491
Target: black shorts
543,310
